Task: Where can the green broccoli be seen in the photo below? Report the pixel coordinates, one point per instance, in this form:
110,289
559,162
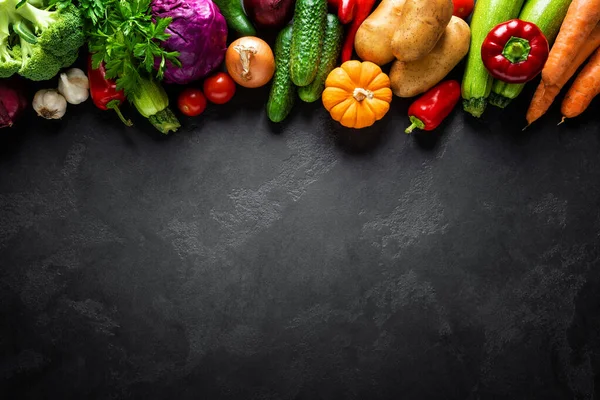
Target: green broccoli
37,43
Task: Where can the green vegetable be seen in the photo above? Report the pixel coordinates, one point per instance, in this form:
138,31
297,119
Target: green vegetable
307,40
548,15
283,91
152,102
477,83
36,43
332,45
236,17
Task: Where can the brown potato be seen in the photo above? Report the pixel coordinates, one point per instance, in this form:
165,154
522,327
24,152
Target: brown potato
420,26
374,36
412,78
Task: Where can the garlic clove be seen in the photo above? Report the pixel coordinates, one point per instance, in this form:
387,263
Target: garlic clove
74,86
49,104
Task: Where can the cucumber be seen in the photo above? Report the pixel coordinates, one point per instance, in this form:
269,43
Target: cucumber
283,91
307,40
235,16
477,83
332,46
548,15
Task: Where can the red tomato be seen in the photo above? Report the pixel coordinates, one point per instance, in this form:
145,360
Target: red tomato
219,88
191,102
462,8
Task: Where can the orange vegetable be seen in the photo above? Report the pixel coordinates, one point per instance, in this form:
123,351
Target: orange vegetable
357,94
250,62
581,19
584,89
544,95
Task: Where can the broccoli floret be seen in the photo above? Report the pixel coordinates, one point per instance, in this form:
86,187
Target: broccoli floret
48,40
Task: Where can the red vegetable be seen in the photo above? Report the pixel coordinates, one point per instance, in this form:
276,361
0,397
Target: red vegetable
463,8
345,9
12,103
104,91
429,110
191,102
270,14
363,9
219,88
515,51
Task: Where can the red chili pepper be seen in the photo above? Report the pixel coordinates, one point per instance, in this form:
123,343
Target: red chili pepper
363,9
515,51
429,110
104,91
345,9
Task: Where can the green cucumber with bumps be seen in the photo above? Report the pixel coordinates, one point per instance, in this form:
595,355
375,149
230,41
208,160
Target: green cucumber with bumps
310,17
283,91
332,46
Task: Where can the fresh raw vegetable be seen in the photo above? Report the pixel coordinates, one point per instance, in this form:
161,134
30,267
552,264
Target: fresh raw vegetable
235,16
463,8
548,16
250,62
515,51
373,40
74,85
477,83
270,14
421,25
219,88
198,32
49,104
36,43
357,94
429,110
127,39
191,102
307,40
104,92
331,51
413,78
12,103
364,8
283,91
585,88
545,95
582,17
345,9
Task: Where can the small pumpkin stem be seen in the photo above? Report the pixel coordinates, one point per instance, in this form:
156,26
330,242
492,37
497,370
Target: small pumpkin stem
360,94
246,53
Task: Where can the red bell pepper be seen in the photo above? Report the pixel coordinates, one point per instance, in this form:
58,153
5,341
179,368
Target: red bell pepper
363,9
515,51
345,9
104,91
429,110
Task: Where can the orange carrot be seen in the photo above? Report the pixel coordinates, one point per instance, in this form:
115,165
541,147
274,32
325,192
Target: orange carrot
581,18
584,89
544,95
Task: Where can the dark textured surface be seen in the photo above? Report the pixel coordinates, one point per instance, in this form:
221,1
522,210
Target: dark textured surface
238,260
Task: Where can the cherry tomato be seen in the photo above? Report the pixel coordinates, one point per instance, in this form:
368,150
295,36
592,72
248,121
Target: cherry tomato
463,8
219,88
191,102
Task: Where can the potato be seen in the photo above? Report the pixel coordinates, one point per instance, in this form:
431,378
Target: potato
412,78
374,36
420,26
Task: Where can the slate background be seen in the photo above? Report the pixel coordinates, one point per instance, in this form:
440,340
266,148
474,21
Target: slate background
240,260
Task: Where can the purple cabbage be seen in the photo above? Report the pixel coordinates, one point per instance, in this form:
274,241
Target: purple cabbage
198,32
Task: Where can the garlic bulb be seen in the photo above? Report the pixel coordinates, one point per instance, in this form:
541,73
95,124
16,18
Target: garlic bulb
49,104
74,86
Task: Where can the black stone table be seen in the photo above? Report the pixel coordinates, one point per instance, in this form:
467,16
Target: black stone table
241,260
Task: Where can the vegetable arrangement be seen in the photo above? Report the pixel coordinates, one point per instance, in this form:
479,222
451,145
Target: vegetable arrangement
328,50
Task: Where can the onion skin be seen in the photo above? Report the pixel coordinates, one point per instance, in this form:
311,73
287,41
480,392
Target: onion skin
270,14
250,62
12,102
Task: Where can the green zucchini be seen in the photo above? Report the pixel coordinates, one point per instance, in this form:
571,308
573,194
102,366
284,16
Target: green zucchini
548,15
283,91
332,45
307,40
235,16
477,83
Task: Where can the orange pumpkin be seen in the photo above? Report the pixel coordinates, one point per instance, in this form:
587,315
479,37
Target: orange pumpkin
357,94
